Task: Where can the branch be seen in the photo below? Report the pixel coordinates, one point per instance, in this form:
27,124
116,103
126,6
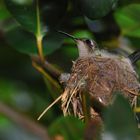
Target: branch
46,75
24,121
49,68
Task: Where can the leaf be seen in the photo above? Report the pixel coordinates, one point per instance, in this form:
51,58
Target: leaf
69,127
126,2
25,42
119,121
4,14
70,51
52,42
37,16
94,9
22,41
83,34
129,20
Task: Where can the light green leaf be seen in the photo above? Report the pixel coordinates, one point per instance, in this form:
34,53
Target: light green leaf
128,19
4,14
69,127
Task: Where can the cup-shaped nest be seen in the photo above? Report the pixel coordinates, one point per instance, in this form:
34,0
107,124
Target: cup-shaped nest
100,77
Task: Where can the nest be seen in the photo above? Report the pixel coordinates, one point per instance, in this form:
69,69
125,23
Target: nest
101,77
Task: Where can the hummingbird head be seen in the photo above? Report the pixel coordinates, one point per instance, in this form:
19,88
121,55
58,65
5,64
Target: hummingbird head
85,46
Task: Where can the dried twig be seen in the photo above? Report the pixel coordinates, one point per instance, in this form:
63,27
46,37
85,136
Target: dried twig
131,92
41,115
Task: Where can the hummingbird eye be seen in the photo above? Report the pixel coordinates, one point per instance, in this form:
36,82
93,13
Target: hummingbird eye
89,42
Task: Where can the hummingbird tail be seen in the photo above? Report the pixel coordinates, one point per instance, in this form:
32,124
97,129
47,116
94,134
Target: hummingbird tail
134,57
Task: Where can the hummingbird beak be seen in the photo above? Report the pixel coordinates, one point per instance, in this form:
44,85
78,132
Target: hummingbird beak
68,35
82,48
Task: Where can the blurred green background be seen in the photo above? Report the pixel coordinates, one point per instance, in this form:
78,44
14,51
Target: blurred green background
113,24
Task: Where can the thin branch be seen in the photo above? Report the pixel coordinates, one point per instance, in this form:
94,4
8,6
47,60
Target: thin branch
46,75
53,70
49,68
24,121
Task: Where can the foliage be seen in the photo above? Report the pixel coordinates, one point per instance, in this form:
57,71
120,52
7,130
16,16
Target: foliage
30,27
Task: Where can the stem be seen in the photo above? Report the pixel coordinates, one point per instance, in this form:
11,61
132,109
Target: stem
40,48
39,35
38,19
86,106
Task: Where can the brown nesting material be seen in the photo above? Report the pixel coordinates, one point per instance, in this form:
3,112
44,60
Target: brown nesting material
101,77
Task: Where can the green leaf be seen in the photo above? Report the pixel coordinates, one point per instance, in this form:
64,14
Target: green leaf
37,16
119,121
94,9
129,20
4,14
4,122
25,42
70,51
22,41
51,42
126,2
69,127
135,41
83,34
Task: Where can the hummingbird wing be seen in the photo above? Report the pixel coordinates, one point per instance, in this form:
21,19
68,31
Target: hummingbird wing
134,57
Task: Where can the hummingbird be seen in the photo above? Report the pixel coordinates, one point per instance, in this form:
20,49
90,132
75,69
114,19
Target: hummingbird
88,47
